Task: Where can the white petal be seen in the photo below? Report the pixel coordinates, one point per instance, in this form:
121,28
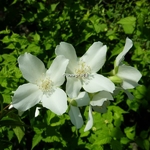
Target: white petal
20,113
37,112
118,89
127,47
130,96
95,56
130,76
68,51
100,109
10,106
76,117
82,99
98,83
73,87
26,96
31,67
57,70
100,98
56,102
90,120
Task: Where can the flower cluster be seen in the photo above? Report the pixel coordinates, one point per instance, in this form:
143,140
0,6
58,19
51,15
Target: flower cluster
82,78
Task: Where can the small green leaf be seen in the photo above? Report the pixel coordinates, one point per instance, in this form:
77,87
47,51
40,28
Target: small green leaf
53,6
49,116
133,104
124,140
19,131
130,132
36,139
128,24
36,37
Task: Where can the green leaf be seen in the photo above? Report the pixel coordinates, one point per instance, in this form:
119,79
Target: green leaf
128,24
130,132
133,104
33,48
36,37
36,139
6,39
49,116
95,146
19,131
106,140
140,92
144,134
116,145
146,144
7,31
124,140
53,6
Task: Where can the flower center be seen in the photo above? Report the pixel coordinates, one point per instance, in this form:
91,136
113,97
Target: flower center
46,85
83,70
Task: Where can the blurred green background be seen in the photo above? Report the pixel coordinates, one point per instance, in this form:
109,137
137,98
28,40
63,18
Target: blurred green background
37,27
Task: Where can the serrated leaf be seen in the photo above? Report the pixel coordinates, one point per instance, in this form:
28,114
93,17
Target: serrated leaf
128,24
127,20
36,139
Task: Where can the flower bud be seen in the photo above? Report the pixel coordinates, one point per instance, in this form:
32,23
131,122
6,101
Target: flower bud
116,79
73,103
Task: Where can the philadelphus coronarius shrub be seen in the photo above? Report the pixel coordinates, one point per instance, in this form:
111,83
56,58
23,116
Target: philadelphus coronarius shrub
82,81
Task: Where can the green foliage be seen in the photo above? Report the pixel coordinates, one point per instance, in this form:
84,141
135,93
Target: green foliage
37,27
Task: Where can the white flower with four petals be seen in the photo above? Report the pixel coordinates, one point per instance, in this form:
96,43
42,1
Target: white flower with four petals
43,84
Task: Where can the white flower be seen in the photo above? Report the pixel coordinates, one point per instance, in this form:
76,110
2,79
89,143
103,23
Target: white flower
129,75
43,84
74,112
99,103
81,72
